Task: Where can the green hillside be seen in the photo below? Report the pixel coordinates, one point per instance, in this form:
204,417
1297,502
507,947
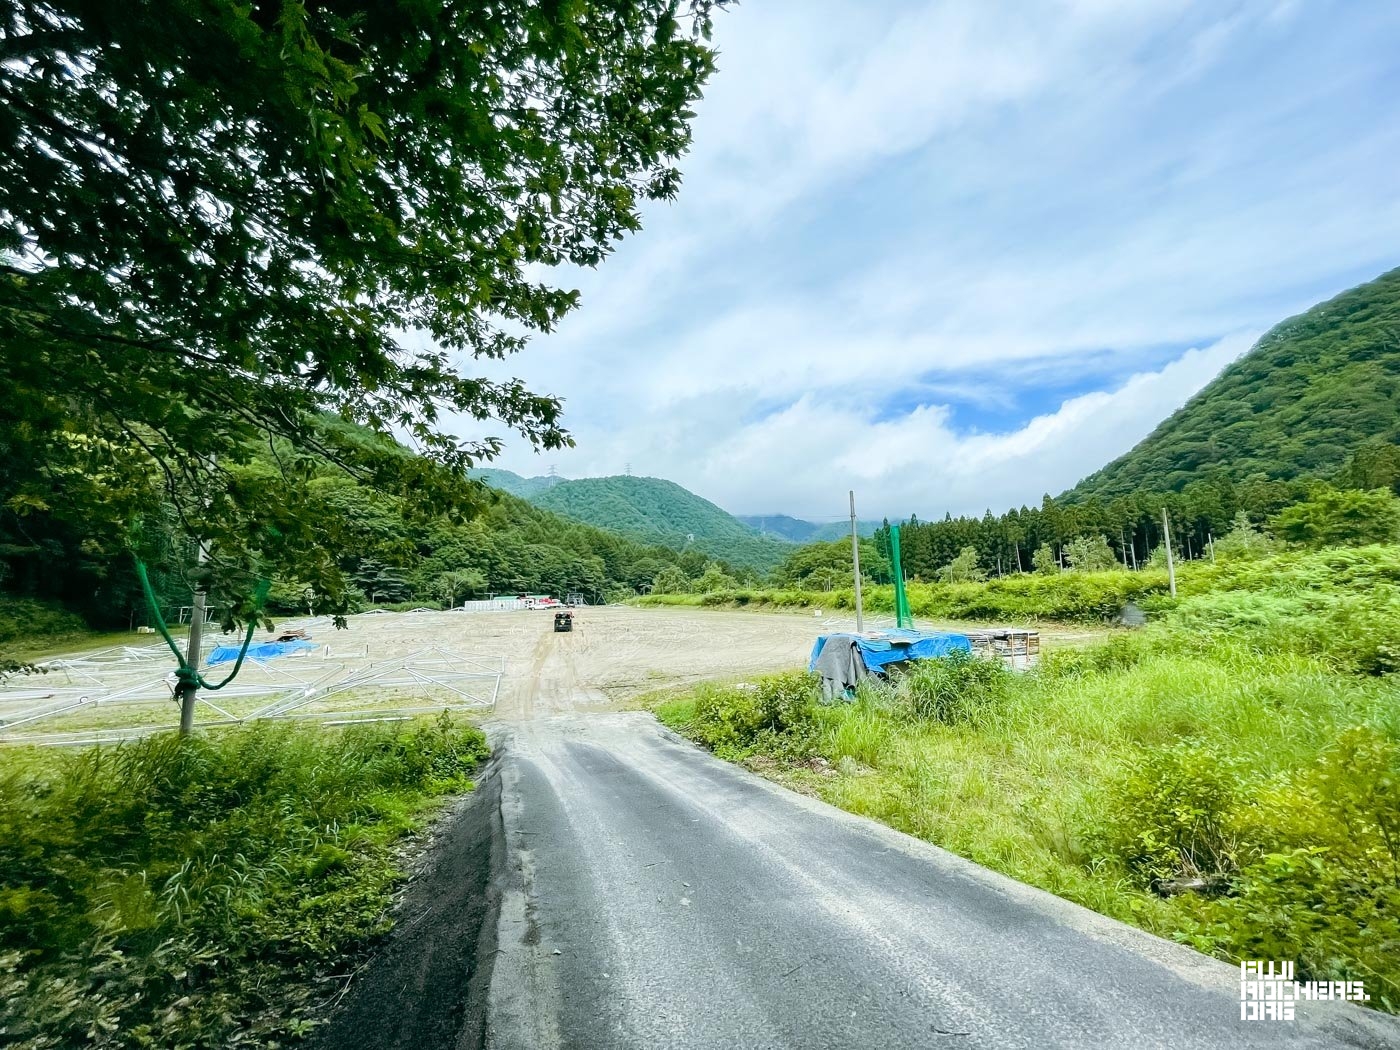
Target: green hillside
840,530
1313,390
57,573
780,526
654,510
508,481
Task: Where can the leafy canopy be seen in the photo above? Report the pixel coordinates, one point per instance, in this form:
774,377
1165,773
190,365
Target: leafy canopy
1341,517
963,569
223,224
1090,554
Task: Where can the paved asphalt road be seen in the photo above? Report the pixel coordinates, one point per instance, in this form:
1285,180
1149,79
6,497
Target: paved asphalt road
645,895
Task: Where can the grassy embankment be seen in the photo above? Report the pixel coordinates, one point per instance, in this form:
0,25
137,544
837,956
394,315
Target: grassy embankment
31,630
208,893
1068,597
1249,738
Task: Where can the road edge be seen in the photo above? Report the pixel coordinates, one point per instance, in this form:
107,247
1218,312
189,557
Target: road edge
1344,1020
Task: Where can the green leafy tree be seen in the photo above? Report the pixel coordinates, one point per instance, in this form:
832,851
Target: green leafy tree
382,583
218,220
1044,560
1341,517
816,565
670,580
460,583
714,578
1243,540
1373,466
1090,554
962,569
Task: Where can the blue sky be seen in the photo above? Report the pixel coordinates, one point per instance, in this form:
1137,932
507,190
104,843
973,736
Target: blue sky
956,255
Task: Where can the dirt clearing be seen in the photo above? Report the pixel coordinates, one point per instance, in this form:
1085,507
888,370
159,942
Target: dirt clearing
510,665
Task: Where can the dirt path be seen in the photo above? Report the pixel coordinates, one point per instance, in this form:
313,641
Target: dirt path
615,653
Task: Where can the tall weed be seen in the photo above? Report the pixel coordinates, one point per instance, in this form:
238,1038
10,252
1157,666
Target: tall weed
180,893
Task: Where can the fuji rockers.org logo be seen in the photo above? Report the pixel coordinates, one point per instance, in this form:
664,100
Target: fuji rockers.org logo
1268,991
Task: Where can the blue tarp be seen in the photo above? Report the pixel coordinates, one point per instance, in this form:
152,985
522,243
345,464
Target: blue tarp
896,646
262,651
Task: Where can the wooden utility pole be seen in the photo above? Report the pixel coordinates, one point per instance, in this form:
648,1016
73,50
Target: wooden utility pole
855,563
1210,546
189,688
1167,541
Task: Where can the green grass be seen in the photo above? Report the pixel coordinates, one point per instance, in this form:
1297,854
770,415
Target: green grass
1025,598
190,893
1251,737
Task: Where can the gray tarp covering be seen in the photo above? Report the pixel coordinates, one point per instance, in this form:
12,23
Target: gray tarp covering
840,664
843,660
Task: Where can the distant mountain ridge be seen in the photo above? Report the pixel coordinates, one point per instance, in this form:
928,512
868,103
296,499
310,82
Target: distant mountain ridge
652,510
798,530
1312,390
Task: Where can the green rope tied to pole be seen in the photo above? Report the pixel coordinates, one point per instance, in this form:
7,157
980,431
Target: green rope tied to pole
187,674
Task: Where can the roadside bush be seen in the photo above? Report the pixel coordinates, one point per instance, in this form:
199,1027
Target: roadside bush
1322,881
959,687
1118,653
1071,597
183,893
1084,597
1169,816
776,713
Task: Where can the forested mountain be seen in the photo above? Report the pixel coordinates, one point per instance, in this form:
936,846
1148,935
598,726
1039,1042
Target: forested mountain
780,526
509,481
799,531
1316,400
658,511
1312,391
87,565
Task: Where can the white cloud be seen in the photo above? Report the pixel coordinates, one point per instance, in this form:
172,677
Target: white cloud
801,459
951,204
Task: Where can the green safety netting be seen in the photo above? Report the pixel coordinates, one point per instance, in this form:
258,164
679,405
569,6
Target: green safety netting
186,673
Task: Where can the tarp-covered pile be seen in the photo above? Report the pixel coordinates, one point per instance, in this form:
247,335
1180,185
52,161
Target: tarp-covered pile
843,660
262,651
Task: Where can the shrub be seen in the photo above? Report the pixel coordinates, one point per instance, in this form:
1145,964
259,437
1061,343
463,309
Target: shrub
774,713
1118,653
956,688
1168,816
182,893
26,619
1322,882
